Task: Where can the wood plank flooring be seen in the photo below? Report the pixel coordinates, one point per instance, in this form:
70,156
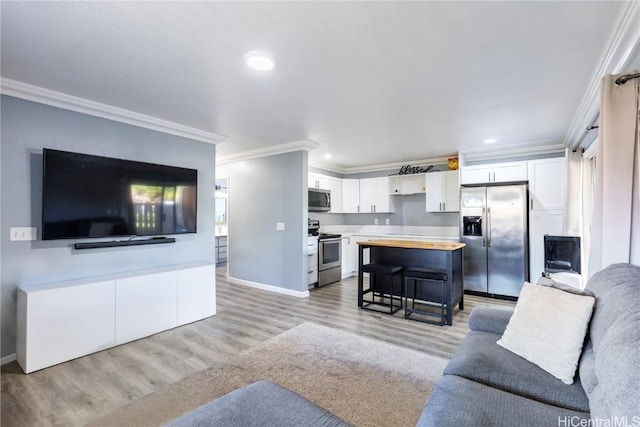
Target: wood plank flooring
76,392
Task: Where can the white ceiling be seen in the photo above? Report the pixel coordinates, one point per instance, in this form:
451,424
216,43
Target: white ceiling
371,82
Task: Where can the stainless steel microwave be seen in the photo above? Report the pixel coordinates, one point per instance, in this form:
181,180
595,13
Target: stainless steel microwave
319,200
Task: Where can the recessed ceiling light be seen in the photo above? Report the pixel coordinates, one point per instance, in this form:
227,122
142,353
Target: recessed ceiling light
259,60
490,140
327,155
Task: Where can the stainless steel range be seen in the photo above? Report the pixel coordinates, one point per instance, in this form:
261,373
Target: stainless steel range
329,258
329,254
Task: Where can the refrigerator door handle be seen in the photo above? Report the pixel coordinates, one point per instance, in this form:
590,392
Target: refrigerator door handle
488,227
483,229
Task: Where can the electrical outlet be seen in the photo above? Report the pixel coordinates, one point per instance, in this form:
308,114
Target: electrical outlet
375,221
22,233
279,226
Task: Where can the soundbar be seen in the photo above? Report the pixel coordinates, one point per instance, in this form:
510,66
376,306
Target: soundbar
116,243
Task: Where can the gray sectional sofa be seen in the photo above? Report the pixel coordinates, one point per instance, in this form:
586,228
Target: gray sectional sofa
486,385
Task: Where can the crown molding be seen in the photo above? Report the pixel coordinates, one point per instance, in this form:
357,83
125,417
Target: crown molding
41,95
379,167
511,152
269,151
625,44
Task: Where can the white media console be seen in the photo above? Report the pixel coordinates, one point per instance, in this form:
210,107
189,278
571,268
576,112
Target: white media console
61,321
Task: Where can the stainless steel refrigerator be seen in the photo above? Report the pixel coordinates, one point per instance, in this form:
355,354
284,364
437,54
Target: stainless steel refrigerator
494,225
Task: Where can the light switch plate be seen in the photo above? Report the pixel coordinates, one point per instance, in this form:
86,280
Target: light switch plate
279,226
23,233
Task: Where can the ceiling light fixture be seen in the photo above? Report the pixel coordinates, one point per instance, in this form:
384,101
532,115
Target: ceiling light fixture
327,155
490,141
259,60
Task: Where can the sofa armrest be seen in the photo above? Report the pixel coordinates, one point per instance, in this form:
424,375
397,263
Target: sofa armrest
488,319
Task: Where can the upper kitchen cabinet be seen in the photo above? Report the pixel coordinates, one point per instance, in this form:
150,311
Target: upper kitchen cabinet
442,191
350,195
547,183
498,172
406,184
335,186
374,195
318,181
328,183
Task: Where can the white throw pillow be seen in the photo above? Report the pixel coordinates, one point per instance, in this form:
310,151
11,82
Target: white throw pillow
548,327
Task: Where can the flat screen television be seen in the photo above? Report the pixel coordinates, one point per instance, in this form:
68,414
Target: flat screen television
86,196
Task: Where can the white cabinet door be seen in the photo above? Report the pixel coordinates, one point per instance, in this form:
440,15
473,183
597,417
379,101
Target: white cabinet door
335,186
442,192
374,195
541,223
60,324
350,195
451,191
145,305
476,174
511,171
382,201
498,172
196,294
347,257
318,181
435,189
367,195
547,183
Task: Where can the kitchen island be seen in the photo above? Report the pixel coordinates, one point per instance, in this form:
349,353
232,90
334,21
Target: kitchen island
441,257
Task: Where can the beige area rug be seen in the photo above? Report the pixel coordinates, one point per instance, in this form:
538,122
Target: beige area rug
363,381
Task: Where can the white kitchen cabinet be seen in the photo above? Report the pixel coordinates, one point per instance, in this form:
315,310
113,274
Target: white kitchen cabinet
541,223
442,191
407,184
318,181
330,183
547,186
350,195
374,195
497,172
348,266
335,186
61,321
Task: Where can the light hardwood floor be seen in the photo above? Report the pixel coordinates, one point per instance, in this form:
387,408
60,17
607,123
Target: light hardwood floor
76,392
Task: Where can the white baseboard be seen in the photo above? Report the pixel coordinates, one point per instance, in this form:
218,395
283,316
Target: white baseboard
270,288
8,359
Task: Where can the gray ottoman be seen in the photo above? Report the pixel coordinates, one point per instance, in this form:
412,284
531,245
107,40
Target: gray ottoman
259,404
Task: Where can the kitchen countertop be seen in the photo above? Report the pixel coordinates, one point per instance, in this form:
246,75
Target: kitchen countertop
435,233
414,244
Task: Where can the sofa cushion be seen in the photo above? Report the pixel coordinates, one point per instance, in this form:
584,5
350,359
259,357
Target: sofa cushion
612,357
480,359
459,402
258,404
548,328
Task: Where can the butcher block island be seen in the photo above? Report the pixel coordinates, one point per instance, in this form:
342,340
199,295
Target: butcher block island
410,273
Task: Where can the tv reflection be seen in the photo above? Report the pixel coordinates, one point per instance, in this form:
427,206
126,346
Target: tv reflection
159,209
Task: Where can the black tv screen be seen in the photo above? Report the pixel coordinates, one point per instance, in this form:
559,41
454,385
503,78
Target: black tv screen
91,196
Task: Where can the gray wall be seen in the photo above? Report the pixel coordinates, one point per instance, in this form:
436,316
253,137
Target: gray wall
27,128
262,192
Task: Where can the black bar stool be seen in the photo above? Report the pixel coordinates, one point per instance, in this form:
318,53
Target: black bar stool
430,288
382,284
